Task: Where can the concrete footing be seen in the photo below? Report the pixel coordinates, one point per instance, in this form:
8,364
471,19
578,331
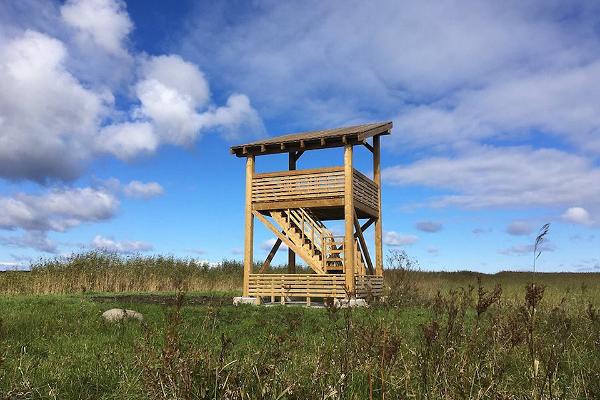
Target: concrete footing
255,301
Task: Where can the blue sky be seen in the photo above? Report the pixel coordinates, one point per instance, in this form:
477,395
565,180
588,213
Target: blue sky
116,120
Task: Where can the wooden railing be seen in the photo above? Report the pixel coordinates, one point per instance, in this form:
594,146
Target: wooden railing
287,286
298,185
365,190
307,286
312,184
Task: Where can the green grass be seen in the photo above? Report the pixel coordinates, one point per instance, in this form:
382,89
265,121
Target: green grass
439,336
57,346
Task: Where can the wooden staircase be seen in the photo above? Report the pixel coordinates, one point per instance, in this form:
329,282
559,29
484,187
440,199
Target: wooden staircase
310,239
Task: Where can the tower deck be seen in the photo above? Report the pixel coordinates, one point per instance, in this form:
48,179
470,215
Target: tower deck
321,190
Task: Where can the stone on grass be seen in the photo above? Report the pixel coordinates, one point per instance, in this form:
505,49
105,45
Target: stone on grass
246,300
120,314
345,303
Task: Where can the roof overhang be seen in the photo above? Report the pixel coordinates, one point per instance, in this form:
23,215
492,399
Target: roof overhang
313,140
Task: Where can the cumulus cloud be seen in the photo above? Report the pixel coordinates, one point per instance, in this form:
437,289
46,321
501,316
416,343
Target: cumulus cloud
519,228
511,176
429,226
47,118
577,215
143,190
172,94
127,140
37,240
56,210
109,244
267,245
56,116
392,238
105,22
61,209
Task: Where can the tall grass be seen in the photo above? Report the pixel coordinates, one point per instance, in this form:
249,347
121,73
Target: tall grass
109,272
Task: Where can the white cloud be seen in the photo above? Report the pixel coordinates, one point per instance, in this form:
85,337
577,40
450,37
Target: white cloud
267,245
172,94
577,215
127,140
47,118
429,226
37,240
57,107
57,210
519,228
510,176
392,238
105,22
281,52
525,249
561,103
143,190
181,76
103,243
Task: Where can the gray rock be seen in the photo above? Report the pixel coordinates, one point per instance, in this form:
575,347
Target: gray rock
119,314
246,300
345,303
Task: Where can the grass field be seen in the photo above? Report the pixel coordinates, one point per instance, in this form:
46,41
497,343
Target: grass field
438,336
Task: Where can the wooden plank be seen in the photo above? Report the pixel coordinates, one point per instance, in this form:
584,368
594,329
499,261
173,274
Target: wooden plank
278,205
378,222
299,172
349,220
249,226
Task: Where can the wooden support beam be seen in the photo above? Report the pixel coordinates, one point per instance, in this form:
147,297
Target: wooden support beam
269,258
368,146
367,224
349,221
378,222
363,244
292,158
299,154
249,226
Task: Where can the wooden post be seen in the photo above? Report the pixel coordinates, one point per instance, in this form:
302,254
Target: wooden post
249,231
349,219
378,221
291,255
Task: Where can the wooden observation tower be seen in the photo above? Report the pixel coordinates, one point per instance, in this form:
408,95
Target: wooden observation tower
295,204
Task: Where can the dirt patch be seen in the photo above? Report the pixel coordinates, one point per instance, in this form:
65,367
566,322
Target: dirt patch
191,300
